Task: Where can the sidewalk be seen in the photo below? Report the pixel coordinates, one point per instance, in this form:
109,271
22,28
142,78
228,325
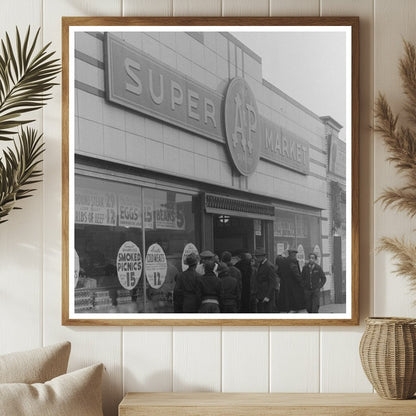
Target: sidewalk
332,308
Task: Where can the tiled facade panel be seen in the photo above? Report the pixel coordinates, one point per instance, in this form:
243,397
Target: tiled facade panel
313,192
89,74
89,45
90,106
325,229
325,245
252,67
91,137
114,143
135,149
318,156
316,169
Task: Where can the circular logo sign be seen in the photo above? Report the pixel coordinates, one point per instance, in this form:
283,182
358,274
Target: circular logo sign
242,126
129,265
156,266
301,256
317,251
189,248
76,268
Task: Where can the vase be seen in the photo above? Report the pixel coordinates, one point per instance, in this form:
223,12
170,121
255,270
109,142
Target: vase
388,356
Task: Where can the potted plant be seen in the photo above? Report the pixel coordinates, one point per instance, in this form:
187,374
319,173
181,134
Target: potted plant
26,78
388,346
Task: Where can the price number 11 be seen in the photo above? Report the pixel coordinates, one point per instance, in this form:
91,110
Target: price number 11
156,279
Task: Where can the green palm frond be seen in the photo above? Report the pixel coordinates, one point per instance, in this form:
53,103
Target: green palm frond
19,170
26,78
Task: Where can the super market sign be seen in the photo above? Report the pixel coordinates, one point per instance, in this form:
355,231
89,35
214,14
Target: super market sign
141,83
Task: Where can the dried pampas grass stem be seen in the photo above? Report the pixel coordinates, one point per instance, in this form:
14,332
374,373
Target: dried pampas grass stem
404,254
400,141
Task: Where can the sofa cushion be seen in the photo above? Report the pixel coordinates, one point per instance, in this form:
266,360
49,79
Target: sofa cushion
35,366
73,394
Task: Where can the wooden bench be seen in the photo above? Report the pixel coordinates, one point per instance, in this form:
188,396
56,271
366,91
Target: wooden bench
254,404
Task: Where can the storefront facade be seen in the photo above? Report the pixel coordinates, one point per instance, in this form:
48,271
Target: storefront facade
337,212
179,140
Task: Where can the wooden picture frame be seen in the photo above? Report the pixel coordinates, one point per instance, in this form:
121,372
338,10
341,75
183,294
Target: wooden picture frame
171,123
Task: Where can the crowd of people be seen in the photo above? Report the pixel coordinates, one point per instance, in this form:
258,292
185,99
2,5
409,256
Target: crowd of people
214,284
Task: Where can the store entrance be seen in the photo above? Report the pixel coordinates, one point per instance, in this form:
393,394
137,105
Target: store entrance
236,234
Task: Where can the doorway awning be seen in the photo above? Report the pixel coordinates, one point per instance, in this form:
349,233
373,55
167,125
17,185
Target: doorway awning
218,204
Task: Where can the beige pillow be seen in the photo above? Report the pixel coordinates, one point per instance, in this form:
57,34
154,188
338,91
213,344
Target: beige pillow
35,366
73,394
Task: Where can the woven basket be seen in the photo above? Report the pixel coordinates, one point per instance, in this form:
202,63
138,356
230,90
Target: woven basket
388,356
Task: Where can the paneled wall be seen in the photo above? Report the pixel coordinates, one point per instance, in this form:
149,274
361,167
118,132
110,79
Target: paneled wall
262,359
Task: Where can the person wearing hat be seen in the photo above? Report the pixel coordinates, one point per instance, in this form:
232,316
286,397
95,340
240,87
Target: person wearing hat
205,255
211,288
265,282
231,292
226,257
187,291
291,297
246,270
313,280
282,289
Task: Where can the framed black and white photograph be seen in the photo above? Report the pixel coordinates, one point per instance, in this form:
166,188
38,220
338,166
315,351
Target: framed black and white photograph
210,171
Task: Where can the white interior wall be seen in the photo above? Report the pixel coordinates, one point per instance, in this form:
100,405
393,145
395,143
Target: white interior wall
277,359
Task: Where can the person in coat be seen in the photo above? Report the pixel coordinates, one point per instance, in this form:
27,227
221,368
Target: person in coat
206,255
244,265
230,290
211,289
283,301
313,280
253,298
291,297
226,257
265,282
187,290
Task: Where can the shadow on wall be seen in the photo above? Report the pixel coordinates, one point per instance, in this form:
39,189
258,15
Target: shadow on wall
112,394
160,381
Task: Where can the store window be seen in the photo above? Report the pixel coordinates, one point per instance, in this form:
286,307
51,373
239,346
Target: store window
125,267
172,228
299,231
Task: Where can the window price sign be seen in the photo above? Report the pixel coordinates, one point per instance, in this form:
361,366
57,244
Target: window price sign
95,207
129,265
130,211
156,266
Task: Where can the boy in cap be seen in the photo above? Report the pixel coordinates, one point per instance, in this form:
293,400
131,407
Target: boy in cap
231,292
205,255
210,288
226,257
187,291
